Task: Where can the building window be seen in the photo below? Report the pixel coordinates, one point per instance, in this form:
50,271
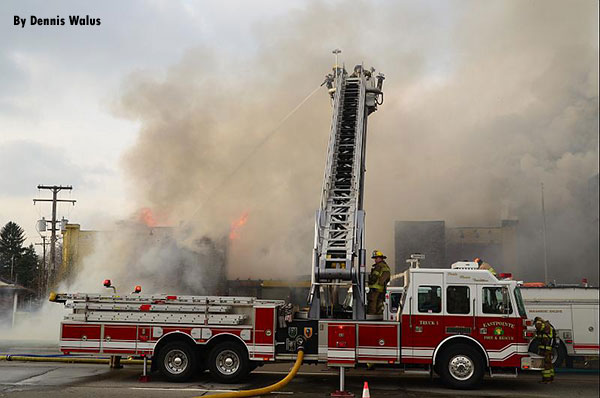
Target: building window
458,300
496,301
430,299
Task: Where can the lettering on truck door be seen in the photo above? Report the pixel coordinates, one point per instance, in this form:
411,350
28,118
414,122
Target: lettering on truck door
498,325
425,323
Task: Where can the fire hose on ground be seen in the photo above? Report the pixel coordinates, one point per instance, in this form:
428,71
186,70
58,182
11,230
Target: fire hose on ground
244,393
25,358
265,390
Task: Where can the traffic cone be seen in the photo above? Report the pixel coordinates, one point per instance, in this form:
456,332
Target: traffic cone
366,393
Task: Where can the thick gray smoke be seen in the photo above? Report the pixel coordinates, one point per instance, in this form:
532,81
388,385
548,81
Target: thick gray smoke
483,102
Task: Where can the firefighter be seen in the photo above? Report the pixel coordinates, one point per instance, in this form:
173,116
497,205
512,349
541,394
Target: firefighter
545,334
484,265
380,276
358,69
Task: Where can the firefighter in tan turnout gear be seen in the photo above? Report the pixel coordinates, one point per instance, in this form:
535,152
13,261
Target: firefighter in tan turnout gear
483,265
545,334
380,276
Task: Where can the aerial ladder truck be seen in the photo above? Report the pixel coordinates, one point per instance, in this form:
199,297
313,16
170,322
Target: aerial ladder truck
457,322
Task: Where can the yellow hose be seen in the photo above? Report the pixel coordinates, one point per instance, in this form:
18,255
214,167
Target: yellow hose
268,389
65,359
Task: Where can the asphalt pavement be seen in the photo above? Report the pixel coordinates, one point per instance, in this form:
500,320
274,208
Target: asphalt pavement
41,379
38,379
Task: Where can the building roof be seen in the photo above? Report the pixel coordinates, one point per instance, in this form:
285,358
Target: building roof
6,284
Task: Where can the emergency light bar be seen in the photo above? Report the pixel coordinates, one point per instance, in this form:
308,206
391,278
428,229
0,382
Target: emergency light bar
465,265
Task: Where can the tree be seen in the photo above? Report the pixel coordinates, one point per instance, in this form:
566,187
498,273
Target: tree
26,267
22,260
11,239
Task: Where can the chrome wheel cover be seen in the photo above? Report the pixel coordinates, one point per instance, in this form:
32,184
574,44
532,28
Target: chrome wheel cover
228,362
176,362
461,367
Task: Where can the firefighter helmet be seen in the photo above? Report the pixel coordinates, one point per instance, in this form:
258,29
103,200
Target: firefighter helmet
377,253
478,260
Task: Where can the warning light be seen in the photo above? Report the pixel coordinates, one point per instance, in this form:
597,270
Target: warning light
109,285
505,275
137,289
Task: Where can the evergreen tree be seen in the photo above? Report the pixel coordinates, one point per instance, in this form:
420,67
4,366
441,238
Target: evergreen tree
26,267
23,260
11,239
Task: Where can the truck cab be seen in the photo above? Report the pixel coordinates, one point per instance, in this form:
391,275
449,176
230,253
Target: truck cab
461,322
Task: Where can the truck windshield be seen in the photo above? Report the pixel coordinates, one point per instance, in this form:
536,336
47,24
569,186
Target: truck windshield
520,304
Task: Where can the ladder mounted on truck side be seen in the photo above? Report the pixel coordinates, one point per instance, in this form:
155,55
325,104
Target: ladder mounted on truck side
159,308
339,255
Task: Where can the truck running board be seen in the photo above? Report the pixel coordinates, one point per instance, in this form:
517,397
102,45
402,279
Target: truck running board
417,371
513,373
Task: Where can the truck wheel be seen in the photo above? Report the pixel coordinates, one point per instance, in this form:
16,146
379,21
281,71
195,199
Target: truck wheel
228,362
461,367
559,354
177,361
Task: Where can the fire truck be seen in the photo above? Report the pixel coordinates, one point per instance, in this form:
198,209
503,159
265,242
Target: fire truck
458,322
573,311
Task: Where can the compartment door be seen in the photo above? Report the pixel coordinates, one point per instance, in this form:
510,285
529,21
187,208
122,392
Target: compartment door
341,344
378,343
80,337
585,329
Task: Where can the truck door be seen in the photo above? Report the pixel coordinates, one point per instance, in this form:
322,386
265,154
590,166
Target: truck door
497,325
425,324
585,329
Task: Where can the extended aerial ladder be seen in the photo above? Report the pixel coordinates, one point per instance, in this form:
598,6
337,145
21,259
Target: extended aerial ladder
339,254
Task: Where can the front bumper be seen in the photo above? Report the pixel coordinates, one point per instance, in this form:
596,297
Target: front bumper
532,362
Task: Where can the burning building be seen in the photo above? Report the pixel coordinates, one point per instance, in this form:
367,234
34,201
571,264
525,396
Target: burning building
444,245
144,253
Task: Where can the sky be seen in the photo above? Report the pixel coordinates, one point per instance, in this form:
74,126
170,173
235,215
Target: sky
159,103
58,84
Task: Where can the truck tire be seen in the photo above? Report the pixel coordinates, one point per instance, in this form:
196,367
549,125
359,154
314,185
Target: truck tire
559,352
461,367
177,361
228,362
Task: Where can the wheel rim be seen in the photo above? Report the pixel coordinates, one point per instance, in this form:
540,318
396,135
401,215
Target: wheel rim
176,361
228,362
461,367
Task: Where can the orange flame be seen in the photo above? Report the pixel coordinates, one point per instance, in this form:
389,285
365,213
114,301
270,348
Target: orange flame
147,217
234,232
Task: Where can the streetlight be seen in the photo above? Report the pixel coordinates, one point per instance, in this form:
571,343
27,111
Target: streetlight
336,52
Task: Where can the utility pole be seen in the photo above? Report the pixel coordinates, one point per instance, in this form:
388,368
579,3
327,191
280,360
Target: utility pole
12,269
55,190
43,277
544,238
